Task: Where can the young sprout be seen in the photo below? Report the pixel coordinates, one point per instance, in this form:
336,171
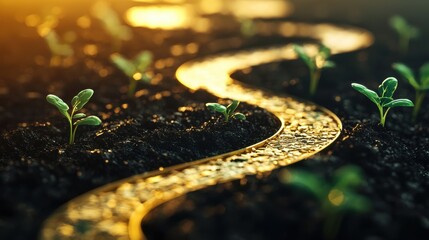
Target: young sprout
315,63
336,197
405,31
112,23
420,86
228,111
57,47
384,99
77,104
45,25
135,69
247,27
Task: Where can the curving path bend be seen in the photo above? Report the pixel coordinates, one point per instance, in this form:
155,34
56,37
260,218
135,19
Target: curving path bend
115,211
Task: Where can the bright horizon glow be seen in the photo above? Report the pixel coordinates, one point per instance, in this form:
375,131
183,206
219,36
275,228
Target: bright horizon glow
164,17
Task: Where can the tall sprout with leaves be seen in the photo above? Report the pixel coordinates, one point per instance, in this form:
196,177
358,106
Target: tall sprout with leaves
384,98
228,112
75,119
336,197
405,31
315,64
135,69
420,86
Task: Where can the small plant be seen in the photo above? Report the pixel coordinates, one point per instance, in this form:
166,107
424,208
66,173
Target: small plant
112,23
336,197
228,111
405,31
419,86
57,47
135,68
384,99
315,63
77,103
247,27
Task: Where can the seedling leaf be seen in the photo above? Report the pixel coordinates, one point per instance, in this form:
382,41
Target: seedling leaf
398,23
348,176
407,73
303,56
373,96
388,87
424,76
240,116
59,103
385,100
79,115
228,111
404,30
216,107
324,51
232,107
56,47
400,103
310,181
329,64
143,60
315,63
90,121
82,98
124,64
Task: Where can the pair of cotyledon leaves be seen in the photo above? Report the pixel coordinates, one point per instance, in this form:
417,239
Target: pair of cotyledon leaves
384,97
346,179
228,111
311,62
137,65
77,103
402,27
58,47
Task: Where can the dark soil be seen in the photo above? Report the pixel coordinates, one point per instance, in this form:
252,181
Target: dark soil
167,125
164,125
394,159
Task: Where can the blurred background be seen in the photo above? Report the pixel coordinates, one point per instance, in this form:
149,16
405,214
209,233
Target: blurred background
192,14
350,11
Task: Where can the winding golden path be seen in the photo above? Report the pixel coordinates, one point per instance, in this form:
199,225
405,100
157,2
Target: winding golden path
115,211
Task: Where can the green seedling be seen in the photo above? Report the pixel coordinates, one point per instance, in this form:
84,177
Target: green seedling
405,31
315,63
45,25
77,104
247,27
384,98
112,23
420,86
57,47
228,111
336,197
135,69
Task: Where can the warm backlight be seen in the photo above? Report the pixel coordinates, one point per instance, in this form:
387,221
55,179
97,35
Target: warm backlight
164,17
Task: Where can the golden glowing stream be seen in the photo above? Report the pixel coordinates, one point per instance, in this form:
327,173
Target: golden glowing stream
115,211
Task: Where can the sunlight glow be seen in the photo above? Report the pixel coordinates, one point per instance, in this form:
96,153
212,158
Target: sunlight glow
164,17
260,8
